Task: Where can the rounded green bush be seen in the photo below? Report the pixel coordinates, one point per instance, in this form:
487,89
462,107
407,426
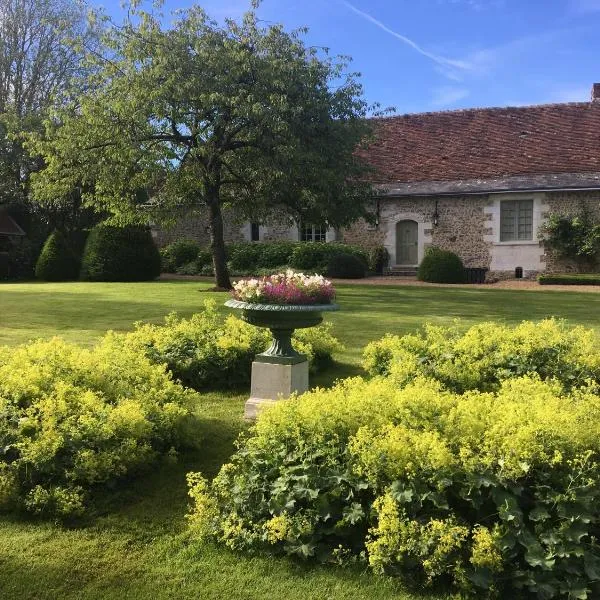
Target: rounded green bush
485,355
178,254
441,266
209,350
57,260
120,254
496,494
75,421
346,266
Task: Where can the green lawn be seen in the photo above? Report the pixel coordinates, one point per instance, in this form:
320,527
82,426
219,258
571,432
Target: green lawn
136,546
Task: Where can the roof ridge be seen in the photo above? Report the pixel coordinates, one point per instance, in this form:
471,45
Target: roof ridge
480,109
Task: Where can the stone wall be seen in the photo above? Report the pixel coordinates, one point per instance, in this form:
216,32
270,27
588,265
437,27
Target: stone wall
467,225
570,204
194,226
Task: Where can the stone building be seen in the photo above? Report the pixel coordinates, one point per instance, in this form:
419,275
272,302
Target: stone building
479,182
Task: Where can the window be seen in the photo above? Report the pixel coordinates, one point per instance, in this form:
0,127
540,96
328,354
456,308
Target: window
254,232
313,233
516,220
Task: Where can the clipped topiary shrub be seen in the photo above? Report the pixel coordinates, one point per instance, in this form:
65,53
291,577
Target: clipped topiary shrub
74,421
441,266
120,254
179,253
212,351
487,354
494,494
57,261
570,279
346,266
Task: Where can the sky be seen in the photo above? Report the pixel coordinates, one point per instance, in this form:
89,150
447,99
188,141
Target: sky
431,55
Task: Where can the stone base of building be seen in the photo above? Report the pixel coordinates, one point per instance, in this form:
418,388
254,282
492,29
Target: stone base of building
272,383
493,276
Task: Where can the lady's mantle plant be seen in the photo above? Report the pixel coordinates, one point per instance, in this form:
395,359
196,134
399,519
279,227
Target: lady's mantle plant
285,288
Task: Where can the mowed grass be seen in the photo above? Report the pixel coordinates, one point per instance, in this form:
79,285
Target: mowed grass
136,545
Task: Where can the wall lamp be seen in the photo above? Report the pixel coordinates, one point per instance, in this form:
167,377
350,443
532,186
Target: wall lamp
435,217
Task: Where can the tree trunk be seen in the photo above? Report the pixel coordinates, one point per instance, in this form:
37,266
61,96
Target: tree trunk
217,242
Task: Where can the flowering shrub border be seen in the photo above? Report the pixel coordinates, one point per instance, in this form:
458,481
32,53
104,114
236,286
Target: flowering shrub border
289,287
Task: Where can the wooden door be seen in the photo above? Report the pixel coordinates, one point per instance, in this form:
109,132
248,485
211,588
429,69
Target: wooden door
407,243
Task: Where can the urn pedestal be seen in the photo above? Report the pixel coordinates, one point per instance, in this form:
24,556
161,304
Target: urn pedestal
280,371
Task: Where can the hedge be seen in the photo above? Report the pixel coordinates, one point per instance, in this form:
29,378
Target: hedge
179,253
580,279
346,266
76,421
58,260
120,254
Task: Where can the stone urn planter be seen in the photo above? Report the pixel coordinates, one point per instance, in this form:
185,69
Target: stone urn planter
280,371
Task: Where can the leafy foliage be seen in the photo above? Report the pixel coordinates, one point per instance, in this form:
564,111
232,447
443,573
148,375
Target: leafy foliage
346,266
575,237
441,266
379,259
57,260
491,492
120,254
73,421
240,114
179,253
209,351
487,354
251,257
315,256
569,279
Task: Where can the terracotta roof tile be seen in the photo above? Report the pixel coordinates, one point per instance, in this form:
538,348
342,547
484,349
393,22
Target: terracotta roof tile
486,142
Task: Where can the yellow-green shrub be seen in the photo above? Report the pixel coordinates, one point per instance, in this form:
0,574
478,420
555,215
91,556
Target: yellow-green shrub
73,419
209,350
487,354
491,491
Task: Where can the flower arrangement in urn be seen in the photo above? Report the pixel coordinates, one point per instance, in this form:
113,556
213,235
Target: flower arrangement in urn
285,289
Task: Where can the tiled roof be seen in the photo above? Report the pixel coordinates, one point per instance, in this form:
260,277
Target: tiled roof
486,143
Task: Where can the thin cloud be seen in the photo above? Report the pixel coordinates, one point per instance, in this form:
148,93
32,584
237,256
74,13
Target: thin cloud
448,96
442,61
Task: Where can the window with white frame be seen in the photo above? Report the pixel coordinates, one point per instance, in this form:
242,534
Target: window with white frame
313,233
516,220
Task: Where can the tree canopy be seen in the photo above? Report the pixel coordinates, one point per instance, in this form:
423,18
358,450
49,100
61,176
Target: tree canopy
206,115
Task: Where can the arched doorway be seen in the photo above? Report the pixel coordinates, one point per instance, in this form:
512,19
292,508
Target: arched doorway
407,243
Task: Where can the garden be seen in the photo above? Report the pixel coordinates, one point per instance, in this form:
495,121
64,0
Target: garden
456,457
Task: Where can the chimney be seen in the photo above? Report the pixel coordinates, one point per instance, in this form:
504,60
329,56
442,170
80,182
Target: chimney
596,92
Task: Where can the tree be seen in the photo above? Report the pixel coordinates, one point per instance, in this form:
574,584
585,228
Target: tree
203,115
38,60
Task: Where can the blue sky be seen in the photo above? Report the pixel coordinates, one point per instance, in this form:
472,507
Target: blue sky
423,55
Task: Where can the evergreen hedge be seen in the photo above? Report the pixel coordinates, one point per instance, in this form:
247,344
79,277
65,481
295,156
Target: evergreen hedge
58,261
120,254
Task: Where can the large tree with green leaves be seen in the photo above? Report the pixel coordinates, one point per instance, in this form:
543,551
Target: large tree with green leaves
40,54
206,115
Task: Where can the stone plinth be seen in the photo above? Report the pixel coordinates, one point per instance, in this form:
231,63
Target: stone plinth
273,382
